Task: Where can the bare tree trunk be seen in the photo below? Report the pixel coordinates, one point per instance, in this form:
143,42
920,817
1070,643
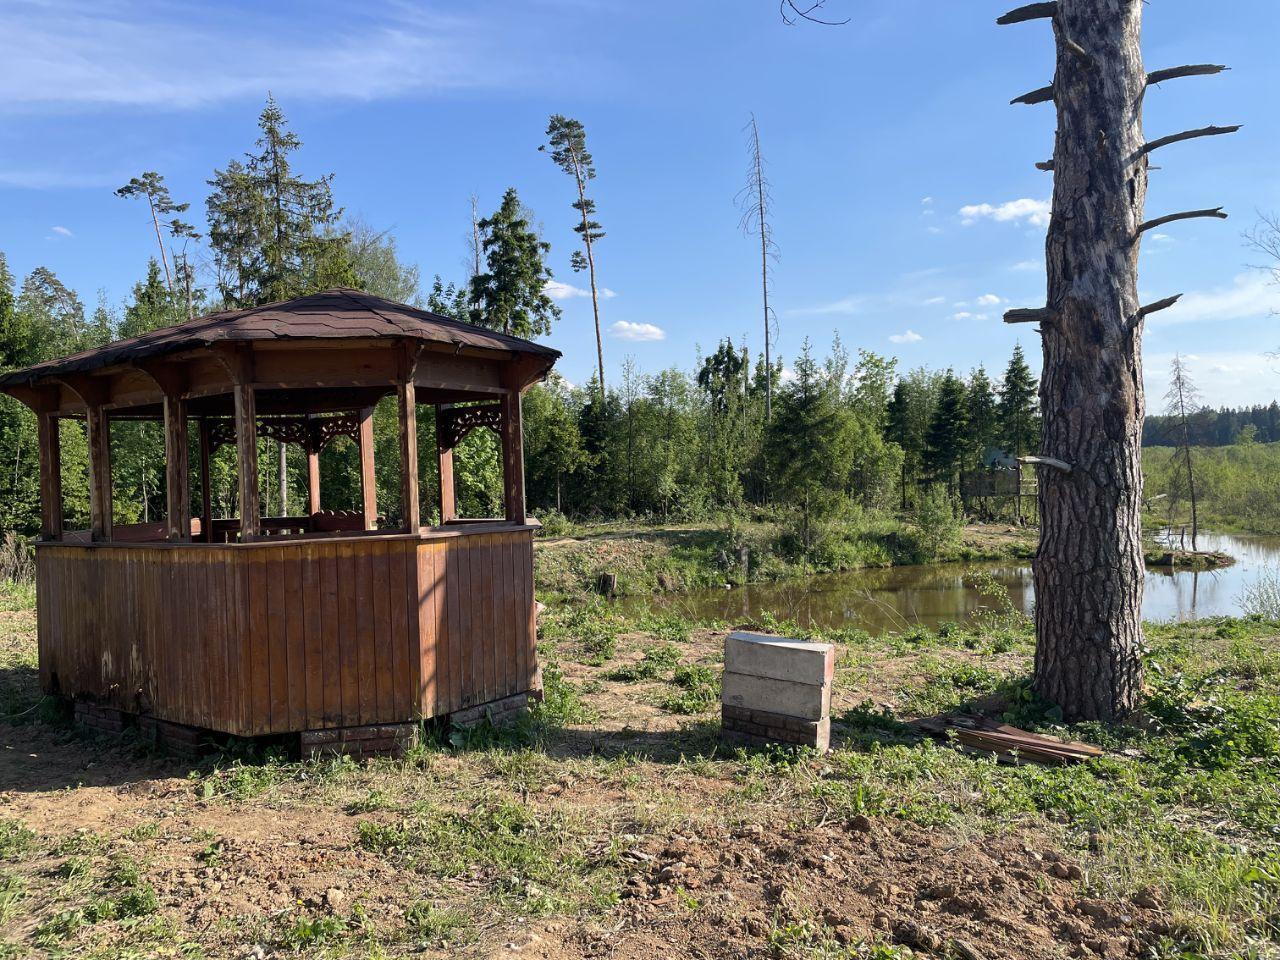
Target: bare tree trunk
1089,568
591,271
164,257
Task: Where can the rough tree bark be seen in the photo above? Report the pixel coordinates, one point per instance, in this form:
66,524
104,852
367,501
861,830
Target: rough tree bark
1089,569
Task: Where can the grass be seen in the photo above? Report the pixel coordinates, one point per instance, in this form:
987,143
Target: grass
466,842
649,559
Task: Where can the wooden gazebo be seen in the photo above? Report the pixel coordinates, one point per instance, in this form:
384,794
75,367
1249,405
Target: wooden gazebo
321,625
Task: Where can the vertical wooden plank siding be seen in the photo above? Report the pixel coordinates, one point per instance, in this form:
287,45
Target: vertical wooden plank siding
280,637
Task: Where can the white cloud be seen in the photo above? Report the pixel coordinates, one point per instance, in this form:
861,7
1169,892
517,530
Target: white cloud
934,301
62,231
636,332
926,201
567,291
909,336
1027,266
989,300
1161,238
1251,295
934,230
966,315
1033,212
86,54
843,307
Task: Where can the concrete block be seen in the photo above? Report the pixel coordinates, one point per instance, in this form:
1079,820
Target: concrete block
788,697
778,658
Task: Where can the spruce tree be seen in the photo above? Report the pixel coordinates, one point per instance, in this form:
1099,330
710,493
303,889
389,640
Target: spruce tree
567,139
274,234
1019,426
982,414
807,437
152,305
511,294
945,442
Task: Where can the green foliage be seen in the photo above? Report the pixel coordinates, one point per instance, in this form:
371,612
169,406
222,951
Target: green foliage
697,689
510,295
654,662
273,233
937,523
15,839
1019,420
1216,726
1262,597
1235,485
946,442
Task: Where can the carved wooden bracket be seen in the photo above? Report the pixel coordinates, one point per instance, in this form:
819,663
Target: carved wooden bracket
457,422
312,434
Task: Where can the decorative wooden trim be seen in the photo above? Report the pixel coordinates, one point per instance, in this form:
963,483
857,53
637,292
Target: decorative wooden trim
454,423
313,433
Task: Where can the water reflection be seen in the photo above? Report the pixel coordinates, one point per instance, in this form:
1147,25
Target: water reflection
891,599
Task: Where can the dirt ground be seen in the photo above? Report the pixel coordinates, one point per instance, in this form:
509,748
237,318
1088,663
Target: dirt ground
634,837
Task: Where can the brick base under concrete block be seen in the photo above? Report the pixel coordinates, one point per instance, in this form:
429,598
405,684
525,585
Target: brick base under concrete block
741,725
375,740
99,719
496,712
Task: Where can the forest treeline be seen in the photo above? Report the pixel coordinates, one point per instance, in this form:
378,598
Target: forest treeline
847,431
1222,427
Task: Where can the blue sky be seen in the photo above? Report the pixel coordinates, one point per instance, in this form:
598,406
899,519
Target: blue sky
907,208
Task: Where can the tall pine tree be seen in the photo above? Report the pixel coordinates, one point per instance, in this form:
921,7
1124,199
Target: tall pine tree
567,139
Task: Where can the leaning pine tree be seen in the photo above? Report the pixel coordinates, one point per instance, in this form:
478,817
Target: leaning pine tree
1089,567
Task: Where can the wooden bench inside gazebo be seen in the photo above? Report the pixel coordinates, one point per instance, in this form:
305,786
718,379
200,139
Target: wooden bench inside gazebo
322,625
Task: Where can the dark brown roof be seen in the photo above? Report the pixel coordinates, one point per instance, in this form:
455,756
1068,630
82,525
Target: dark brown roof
338,313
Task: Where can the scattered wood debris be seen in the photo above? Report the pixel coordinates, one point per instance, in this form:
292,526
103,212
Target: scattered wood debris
983,735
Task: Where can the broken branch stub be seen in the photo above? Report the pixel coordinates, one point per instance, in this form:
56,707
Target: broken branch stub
1030,315
1032,11
1188,135
1216,212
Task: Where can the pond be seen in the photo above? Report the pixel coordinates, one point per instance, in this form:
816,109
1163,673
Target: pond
899,597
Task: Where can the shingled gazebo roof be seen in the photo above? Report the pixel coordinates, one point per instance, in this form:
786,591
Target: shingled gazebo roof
341,313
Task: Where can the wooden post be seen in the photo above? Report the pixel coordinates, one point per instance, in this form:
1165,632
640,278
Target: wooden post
407,400
206,494
368,478
99,473
50,478
448,501
247,460
513,456
177,468
313,482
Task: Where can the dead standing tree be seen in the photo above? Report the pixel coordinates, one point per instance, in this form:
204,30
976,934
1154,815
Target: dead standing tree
756,201
1089,568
